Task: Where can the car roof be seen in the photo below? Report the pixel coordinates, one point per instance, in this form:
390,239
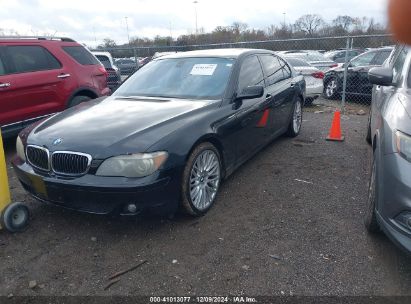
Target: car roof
227,53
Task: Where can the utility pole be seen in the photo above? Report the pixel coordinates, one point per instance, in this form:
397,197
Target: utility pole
128,35
284,18
195,10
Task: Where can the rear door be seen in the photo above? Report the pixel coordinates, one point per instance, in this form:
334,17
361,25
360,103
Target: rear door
30,85
89,72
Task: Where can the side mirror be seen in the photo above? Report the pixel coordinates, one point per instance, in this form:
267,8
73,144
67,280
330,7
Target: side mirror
251,92
381,76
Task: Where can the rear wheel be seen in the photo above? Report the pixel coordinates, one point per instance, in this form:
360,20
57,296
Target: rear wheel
77,100
201,179
296,120
370,219
331,88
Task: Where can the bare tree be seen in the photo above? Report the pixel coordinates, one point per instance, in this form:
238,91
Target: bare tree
309,24
107,43
344,23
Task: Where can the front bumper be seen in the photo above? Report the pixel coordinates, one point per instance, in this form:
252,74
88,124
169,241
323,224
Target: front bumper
103,195
395,199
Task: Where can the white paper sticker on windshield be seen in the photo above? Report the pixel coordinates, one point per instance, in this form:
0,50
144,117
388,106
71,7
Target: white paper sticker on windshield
203,69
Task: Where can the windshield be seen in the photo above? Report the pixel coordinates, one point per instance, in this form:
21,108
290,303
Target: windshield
363,60
193,78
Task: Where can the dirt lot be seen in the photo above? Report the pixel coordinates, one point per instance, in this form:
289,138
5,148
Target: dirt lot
287,222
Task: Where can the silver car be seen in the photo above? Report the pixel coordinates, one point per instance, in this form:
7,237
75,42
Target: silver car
313,78
314,58
389,132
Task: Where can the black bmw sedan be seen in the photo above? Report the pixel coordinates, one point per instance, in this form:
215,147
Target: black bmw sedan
168,136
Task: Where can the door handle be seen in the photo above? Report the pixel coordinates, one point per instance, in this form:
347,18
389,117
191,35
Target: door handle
4,85
62,76
292,84
268,97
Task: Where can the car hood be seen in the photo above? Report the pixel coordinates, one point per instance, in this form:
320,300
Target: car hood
114,125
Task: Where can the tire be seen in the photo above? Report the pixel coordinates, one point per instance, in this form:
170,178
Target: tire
294,127
197,200
308,101
15,217
368,137
370,218
331,88
76,100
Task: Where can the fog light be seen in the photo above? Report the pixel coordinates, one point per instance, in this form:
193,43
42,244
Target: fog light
404,219
132,208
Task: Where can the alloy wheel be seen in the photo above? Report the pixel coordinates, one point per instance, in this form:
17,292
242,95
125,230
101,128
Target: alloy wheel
204,179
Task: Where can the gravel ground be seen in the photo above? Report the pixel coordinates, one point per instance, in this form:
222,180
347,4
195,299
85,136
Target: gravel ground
289,222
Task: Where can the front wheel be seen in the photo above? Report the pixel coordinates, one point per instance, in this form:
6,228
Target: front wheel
201,179
370,218
296,120
368,137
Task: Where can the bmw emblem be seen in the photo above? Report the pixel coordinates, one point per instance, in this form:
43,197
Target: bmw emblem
57,141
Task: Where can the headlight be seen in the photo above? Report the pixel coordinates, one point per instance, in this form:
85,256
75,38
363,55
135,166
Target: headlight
20,149
134,165
403,144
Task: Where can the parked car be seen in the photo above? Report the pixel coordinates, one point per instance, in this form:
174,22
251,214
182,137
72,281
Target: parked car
339,55
126,66
114,76
41,76
168,136
314,58
313,78
357,75
389,132
144,61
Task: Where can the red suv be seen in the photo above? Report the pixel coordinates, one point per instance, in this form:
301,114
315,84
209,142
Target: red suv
42,76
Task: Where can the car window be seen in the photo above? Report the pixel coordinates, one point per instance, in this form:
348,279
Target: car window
81,55
286,69
272,69
363,60
399,65
28,58
104,60
2,68
381,57
186,78
251,73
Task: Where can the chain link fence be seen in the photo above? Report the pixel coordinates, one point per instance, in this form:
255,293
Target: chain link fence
343,61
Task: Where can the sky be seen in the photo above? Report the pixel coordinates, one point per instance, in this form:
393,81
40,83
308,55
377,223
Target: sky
90,21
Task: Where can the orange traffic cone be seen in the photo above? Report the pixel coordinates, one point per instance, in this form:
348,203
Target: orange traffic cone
335,131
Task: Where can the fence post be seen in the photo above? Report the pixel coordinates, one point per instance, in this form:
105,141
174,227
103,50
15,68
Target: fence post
135,57
345,76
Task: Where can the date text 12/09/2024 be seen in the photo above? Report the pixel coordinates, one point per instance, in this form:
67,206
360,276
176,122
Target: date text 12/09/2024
203,299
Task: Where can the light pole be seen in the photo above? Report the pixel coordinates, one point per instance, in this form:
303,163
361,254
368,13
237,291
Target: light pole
195,10
284,18
128,35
